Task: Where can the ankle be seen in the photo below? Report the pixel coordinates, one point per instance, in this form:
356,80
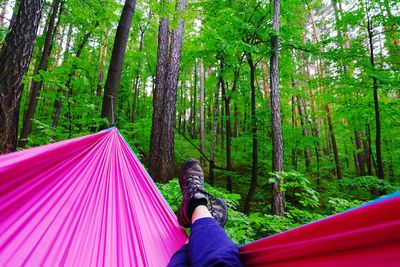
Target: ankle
200,212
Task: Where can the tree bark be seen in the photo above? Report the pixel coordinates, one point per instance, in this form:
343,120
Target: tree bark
168,65
278,196
37,85
15,55
117,61
379,163
158,98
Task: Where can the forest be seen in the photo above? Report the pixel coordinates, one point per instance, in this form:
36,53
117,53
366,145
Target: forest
292,107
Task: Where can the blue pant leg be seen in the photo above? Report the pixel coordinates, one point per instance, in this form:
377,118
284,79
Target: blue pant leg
209,245
180,258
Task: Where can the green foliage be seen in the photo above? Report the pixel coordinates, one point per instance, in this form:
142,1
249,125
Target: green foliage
339,204
298,185
365,187
243,228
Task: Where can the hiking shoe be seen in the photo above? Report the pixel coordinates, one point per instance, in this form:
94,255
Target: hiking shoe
219,210
191,181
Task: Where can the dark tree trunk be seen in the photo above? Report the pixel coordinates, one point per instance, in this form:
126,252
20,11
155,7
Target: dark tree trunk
254,168
162,134
37,85
15,55
236,118
367,153
303,123
193,111
333,140
294,126
202,112
214,131
359,153
117,61
278,196
376,106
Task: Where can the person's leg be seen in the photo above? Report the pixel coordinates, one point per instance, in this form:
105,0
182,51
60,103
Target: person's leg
209,245
180,258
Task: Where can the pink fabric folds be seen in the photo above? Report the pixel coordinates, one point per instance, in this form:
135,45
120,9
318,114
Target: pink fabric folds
367,236
83,202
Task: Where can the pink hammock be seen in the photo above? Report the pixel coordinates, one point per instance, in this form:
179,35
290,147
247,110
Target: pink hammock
89,202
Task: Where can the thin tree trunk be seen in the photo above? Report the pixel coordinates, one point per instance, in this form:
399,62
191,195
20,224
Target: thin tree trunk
359,153
278,196
117,61
254,168
333,139
100,75
307,154
15,55
236,119
367,153
202,113
294,126
327,107
379,163
214,132
37,85
194,111
265,79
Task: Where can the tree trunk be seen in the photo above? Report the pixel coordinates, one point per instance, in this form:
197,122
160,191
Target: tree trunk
158,100
367,153
376,106
202,113
37,85
254,168
303,123
321,71
359,153
214,131
333,140
162,139
117,60
278,196
15,55
137,78
100,75
194,104
294,126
